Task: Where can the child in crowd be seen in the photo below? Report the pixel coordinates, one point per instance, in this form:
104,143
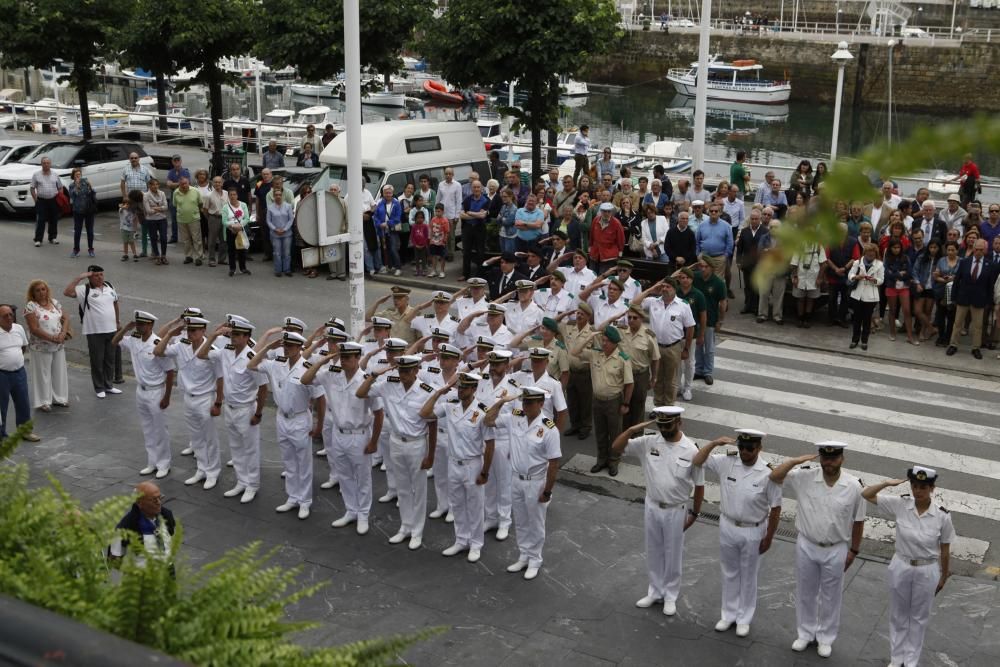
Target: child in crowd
419,237
438,241
130,217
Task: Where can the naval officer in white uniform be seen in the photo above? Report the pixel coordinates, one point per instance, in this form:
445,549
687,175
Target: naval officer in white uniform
667,460
920,566
830,521
154,384
751,510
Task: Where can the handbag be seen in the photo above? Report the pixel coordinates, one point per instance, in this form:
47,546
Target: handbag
62,201
242,242
91,207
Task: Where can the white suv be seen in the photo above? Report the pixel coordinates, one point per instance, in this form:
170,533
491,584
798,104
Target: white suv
102,163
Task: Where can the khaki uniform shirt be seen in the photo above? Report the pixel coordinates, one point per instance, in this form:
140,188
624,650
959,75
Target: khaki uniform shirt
558,359
641,348
573,334
400,329
608,374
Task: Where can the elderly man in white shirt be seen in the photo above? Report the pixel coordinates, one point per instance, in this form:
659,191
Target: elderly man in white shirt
13,377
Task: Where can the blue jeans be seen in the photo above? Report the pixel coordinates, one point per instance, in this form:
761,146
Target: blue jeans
373,260
282,248
704,355
391,241
81,221
172,214
14,385
508,245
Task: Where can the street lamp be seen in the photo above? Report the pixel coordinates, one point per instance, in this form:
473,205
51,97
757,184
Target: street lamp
839,12
841,57
892,45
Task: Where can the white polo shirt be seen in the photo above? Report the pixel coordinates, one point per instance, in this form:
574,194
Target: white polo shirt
748,494
466,427
343,406
99,310
195,376
240,384
826,514
12,344
668,322
402,406
576,281
918,536
532,443
670,475
149,369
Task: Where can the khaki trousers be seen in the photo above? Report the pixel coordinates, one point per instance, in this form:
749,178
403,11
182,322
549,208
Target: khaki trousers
190,236
665,391
718,265
975,326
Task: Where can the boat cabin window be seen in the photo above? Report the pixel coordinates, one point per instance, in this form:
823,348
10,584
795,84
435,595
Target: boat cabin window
313,118
486,131
423,144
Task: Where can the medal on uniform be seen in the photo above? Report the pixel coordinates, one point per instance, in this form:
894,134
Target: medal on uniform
654,452
540,433
475,416
673,317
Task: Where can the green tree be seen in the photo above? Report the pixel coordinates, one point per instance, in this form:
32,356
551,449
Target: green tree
310,36
34,33
146,41
230,613
486,42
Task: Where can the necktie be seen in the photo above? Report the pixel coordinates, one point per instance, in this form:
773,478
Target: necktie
975,270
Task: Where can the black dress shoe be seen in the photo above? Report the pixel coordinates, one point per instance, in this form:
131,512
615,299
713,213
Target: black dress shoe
977,354
951,350
613,469
597,467
709,380
761,318
583,435
854,344
864,346
698,376
572,431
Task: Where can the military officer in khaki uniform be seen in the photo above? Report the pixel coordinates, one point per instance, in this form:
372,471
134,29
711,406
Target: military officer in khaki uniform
401,314
611,379
639,343
579,394
558,353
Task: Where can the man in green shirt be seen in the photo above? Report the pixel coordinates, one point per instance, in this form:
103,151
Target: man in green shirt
187,203
714,290
693,297
738,174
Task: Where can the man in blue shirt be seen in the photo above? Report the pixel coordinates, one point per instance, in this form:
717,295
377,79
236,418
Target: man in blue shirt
714,240
475,208
528,222
775,198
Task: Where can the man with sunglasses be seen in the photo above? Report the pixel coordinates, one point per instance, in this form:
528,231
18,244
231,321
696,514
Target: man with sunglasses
830,521
750,512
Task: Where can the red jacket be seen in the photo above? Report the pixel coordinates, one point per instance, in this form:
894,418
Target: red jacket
608,243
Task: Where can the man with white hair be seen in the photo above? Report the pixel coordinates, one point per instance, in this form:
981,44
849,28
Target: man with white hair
764,186
927,220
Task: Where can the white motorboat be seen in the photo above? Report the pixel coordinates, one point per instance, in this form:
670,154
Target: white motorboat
318,117
738,81
571,88
384,98
665,153
491,130
325,90
274,125
144,114
625,154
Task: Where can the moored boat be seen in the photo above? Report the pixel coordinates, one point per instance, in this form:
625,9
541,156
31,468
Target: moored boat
738,81
440,93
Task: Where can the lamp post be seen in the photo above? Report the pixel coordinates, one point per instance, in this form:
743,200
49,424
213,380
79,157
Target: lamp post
841,57
701,88
892,44
954,8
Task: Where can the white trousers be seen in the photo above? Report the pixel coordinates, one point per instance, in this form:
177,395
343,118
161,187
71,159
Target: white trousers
466,500
440,469
154,427
739,557
295,447
498,485
48,381
529,518
911,589
353,468
244,444
411,483
328,444
819,573
664,550
385,453
685,373
204,437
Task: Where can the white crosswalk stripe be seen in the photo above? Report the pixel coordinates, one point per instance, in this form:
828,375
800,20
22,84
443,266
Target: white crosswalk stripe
799,397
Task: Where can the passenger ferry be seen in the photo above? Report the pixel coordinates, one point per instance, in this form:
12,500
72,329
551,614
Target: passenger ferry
738,81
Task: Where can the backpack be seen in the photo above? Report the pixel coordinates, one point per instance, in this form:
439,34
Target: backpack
86,298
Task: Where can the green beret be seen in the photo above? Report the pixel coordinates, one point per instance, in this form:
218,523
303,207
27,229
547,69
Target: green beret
612,334
687,271
585,307
559,274
617,283
626,264
550,324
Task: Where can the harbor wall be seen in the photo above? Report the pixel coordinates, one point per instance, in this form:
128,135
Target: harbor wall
924,78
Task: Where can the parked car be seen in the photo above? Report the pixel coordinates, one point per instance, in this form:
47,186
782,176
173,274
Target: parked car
102,163
15,150
914,32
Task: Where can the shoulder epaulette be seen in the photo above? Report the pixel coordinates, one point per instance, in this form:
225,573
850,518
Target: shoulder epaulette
561,344
860,482
602,297
251,344
185,341
307,364
941,507
433,369
482,406
369,340
249,355
636,282
230,346
549,423
136,334
281,358
156,341
382,361
769,466
623,355
731,453
804,467
513,382
517,412
336,369
429,315
454,318
452,400
393,378
426,387
905,495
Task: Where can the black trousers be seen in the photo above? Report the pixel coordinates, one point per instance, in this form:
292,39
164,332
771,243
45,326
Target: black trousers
234,254
46,215
102,360
862,322
838,301
751,298
473,248
581,165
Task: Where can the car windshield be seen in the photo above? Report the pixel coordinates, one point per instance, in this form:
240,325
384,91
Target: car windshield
337,173
3,151
61,154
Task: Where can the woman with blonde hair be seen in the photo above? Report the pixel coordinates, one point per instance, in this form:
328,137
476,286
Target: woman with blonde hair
48,327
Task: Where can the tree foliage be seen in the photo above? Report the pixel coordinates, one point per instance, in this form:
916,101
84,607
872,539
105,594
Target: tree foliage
230,613
35,33
310,35
484,42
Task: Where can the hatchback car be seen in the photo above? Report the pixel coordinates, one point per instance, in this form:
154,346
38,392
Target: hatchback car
15,150
102,163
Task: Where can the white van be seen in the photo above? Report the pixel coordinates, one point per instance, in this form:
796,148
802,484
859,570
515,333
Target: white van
401,151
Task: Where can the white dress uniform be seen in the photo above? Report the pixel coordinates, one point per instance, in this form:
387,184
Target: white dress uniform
378,361
747,498
349,423
604,309
533,443
151,375
913,573
240,392
294,421
670,479
555,398
409,447
825,518
467,436
425,324
498,486
464,306
519,319
431,373
551,303
197,379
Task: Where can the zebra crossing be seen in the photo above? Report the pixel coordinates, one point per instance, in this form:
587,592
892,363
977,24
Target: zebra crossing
892,416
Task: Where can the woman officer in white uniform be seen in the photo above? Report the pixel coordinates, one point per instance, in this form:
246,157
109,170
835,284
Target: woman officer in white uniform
919,568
